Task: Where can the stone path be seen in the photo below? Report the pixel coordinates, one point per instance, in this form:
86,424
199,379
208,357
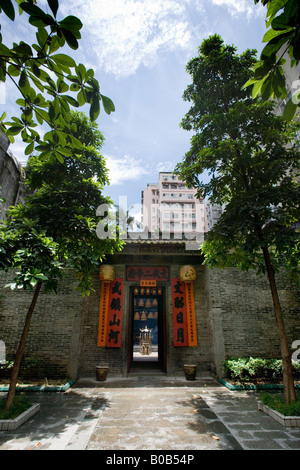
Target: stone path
157,414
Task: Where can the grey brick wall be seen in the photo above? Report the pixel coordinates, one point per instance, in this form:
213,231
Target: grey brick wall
234,317
54,332
242,317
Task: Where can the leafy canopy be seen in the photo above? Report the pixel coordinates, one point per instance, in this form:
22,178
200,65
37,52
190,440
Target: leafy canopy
63,209
252,159
49,81
282,37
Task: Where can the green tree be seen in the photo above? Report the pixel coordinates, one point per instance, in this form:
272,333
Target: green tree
56,228
252,160
49,82
282,43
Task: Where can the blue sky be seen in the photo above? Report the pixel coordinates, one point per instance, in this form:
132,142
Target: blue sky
139,50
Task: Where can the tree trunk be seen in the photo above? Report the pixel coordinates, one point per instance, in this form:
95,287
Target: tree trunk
19,354
287,368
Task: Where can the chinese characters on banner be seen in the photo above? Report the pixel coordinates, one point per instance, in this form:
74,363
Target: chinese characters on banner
179,313
184,322
190,312
105,287
110,319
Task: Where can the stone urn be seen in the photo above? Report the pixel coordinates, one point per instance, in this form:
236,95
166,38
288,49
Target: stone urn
190,371
101,373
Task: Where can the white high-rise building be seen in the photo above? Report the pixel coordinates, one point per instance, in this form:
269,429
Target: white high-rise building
169,206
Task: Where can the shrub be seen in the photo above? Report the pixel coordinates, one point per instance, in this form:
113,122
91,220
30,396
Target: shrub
245,369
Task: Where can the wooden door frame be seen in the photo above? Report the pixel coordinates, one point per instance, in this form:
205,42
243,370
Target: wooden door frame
162,357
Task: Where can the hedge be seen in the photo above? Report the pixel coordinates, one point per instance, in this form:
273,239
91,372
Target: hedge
247,368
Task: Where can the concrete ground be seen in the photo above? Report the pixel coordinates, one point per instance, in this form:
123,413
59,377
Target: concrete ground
149,413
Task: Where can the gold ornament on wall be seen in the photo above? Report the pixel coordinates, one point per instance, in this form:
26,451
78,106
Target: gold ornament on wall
107,273
187,273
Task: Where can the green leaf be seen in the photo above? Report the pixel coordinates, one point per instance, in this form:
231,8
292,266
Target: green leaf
54,44
8,8
70,100
74,87
14,130
13,70
81,72
42,36
273,8
23,79
29,148
36,82
39,22
53,4
23,49
41,115
108,105
4,51
296,49
70,38
271,33
81,97
266,90
32,9
70,23
248,83
289,110
63,59
257,87
62,87
94,109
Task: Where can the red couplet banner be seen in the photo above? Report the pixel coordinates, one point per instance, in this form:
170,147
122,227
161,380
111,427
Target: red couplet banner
110,316
190,313
115,311
180,327
104,304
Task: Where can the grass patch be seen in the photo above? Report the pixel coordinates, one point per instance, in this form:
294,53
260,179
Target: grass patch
18,407
276,402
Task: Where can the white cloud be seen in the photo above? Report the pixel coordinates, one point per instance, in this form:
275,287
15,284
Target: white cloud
240,7
125,169
167,165
124,34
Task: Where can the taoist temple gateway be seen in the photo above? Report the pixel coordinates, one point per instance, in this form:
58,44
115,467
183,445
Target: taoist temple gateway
155,307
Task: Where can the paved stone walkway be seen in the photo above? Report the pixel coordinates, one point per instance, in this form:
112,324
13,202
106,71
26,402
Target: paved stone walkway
143,413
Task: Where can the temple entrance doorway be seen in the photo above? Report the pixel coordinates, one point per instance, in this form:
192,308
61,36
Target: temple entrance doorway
146,330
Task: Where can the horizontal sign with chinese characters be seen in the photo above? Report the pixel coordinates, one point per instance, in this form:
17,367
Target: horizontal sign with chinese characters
147,273
146,283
